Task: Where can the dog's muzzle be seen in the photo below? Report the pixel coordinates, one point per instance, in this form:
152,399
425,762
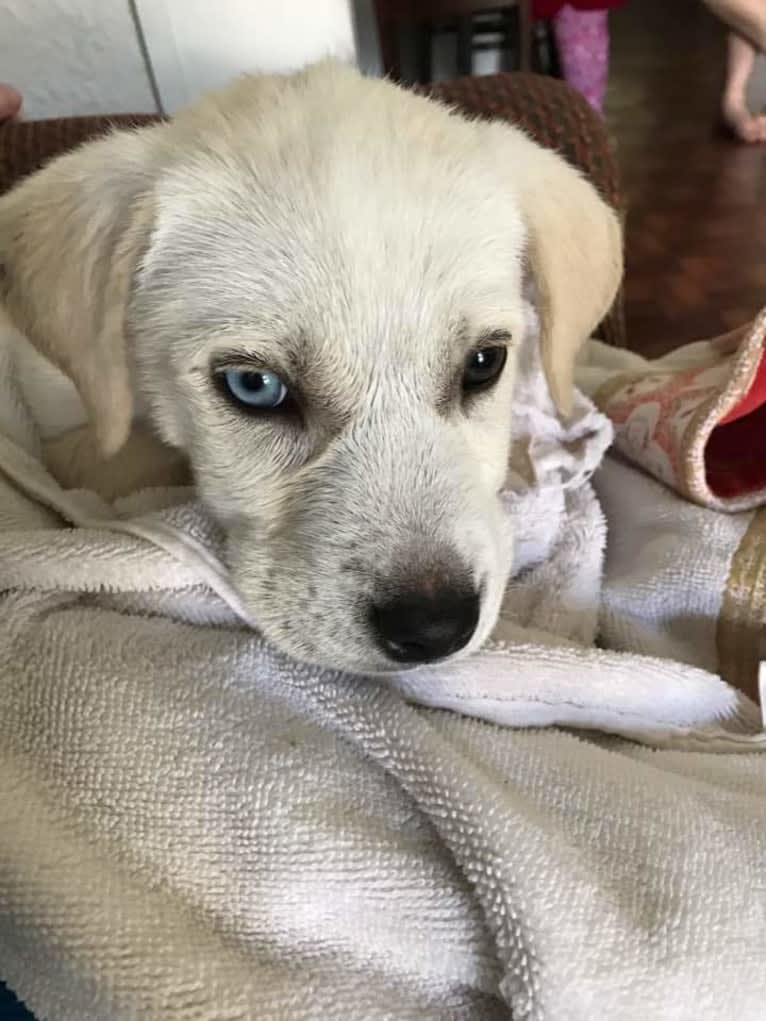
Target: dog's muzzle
424,626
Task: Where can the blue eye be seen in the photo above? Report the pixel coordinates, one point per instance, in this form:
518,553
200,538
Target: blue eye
259,390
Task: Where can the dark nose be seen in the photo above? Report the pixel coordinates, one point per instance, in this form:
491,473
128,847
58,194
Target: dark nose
421,627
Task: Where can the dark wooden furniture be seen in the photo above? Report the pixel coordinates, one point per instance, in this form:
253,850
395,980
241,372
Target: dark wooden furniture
471,22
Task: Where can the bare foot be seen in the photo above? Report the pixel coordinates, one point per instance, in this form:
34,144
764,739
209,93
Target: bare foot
10,102
745,125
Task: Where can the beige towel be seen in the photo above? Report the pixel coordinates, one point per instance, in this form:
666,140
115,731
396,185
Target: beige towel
695,419
686,581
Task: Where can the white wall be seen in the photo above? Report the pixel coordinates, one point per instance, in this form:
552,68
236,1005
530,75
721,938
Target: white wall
86,56
195,45
73,57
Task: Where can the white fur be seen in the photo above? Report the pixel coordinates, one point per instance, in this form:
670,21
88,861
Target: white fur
359,240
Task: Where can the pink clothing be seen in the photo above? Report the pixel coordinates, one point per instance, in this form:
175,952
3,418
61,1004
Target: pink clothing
582,39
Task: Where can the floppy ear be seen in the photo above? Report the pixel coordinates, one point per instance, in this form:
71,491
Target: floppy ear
71,237
575,253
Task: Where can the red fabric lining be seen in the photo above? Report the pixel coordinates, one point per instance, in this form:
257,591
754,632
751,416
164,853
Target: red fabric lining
753,399
735,455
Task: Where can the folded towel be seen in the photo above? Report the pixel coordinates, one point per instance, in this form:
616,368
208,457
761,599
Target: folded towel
558,526
685,581
194,827
694,419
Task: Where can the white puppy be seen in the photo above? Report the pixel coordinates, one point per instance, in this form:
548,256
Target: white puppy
312,286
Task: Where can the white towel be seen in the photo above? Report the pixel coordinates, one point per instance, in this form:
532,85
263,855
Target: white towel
193,827
666,569
558,526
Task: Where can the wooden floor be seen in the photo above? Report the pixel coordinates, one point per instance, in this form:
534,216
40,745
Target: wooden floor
696,239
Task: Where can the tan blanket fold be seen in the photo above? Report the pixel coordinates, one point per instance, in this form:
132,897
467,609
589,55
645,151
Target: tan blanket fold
695,419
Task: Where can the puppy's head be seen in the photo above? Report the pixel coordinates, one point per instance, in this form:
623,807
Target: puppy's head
315,285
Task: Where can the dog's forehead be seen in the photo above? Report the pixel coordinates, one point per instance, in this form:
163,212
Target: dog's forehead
348,192
344,229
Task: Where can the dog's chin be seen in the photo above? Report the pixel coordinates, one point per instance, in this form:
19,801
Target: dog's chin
373,665
369,661
376,665
364,663
392,669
